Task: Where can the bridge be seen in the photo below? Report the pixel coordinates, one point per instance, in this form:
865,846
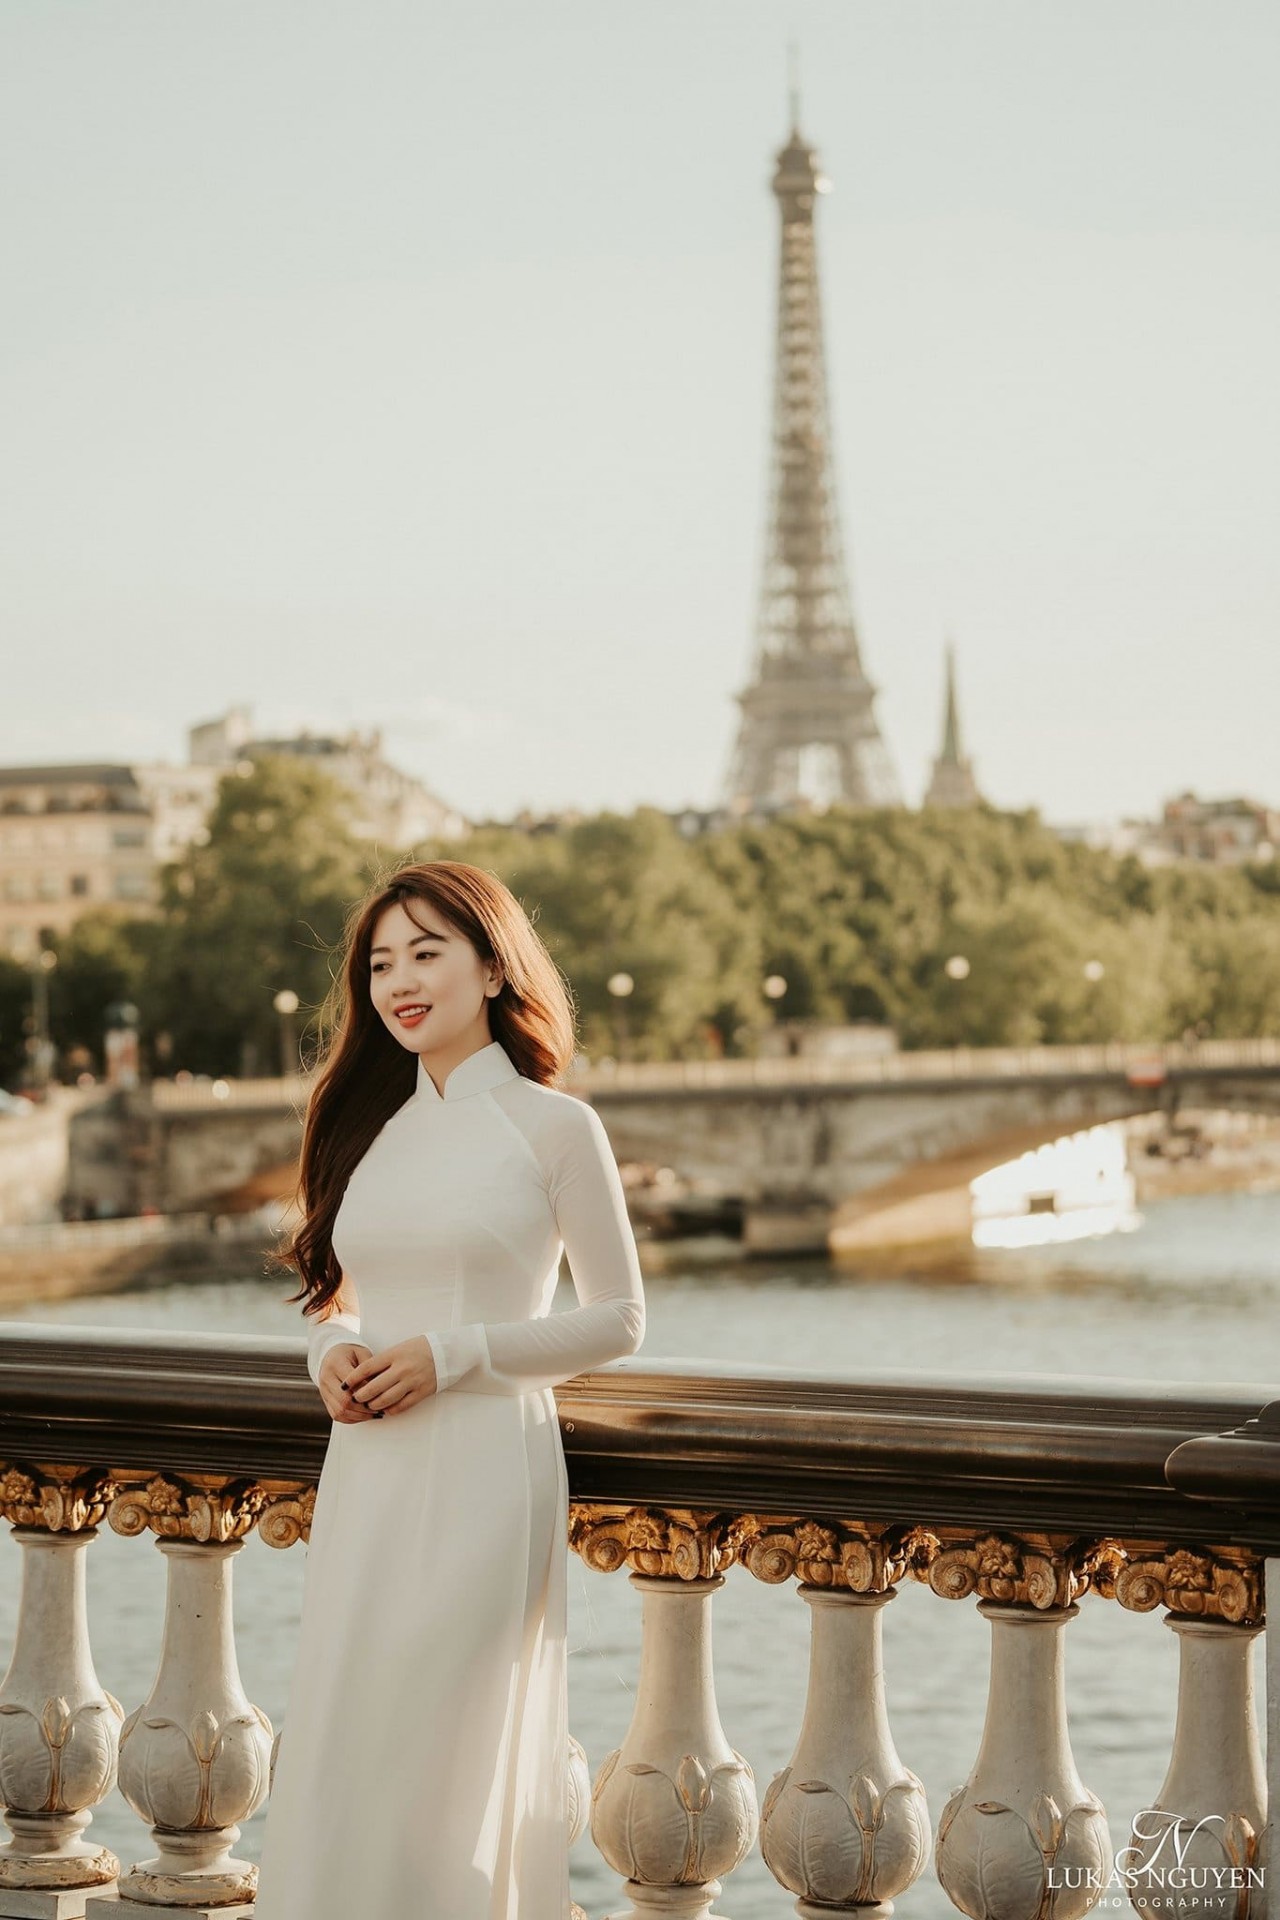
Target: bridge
811,1148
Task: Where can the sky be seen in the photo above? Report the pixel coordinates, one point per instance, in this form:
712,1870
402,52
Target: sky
388,363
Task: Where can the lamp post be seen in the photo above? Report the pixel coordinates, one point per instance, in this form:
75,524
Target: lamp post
41,1045
1093,971
286,1005
774,987
956,967
120,1043
621,986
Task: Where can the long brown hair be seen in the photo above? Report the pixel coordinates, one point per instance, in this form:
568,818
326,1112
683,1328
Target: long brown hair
365,1075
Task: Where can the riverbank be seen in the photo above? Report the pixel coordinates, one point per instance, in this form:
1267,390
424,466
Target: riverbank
1200,1152
58,1261
61,1262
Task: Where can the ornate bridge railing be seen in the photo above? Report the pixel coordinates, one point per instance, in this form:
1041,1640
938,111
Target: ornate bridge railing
1023,1495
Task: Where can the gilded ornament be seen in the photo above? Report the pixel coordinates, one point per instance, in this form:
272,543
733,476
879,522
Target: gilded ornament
20,1500
681,1543
286,1518
54,1498
865,1559
1033,1570
206,1508
1213,1584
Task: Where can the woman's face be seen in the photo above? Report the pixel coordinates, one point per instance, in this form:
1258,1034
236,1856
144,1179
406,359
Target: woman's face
427,981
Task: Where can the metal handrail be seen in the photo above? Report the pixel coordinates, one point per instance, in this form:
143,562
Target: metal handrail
1066,1454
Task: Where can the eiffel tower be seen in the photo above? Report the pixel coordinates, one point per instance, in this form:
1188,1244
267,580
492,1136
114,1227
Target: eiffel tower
807,732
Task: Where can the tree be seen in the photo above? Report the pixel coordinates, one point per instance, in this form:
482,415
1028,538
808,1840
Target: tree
15,1008
258,907
1232,988
858,911
101,962
625,893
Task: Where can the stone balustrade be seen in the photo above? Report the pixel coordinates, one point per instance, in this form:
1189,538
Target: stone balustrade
1028,1498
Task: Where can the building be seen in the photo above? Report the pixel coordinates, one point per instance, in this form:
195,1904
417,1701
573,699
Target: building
88,835
951,783
1221,833
390,808
79,836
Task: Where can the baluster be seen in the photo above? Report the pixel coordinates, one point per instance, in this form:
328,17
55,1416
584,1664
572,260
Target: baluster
579,1803
845,1825
1024,1837
674,1807
58,1726
1196,1849
194,1759
1216,1606
579,1790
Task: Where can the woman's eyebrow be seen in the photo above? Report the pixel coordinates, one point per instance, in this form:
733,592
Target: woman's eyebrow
425,935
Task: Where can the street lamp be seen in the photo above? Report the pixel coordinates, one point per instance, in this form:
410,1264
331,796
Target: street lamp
1093,971
774,987
621,986
957,968
286,1005
41,1045
120,1043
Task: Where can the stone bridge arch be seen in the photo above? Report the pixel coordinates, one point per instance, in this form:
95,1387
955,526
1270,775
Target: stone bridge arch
813,1166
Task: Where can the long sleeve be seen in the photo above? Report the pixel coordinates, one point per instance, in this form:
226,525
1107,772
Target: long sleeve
519,1356
335,1331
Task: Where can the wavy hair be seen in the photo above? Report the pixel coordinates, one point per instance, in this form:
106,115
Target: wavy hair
364,1075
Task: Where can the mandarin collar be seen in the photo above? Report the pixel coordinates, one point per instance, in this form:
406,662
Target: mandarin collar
487,1067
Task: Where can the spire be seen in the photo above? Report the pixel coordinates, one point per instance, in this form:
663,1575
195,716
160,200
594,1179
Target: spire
951,725
952,783
793,86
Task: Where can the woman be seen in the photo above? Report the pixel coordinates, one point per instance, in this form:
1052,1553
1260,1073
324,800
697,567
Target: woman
422,1771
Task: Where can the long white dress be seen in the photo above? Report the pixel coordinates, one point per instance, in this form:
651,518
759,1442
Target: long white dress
422,1771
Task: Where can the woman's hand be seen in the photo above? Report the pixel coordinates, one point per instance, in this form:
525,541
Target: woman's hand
395,1379
337,1367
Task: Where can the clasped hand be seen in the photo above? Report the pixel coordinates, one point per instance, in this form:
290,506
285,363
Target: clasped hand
376,1383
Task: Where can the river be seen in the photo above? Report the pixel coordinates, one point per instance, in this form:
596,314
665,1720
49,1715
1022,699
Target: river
1190,1295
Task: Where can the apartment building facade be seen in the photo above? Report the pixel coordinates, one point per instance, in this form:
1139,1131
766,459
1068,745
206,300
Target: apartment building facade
96,834
88,835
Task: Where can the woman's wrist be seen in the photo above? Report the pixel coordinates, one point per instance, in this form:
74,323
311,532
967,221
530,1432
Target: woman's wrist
339,1329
